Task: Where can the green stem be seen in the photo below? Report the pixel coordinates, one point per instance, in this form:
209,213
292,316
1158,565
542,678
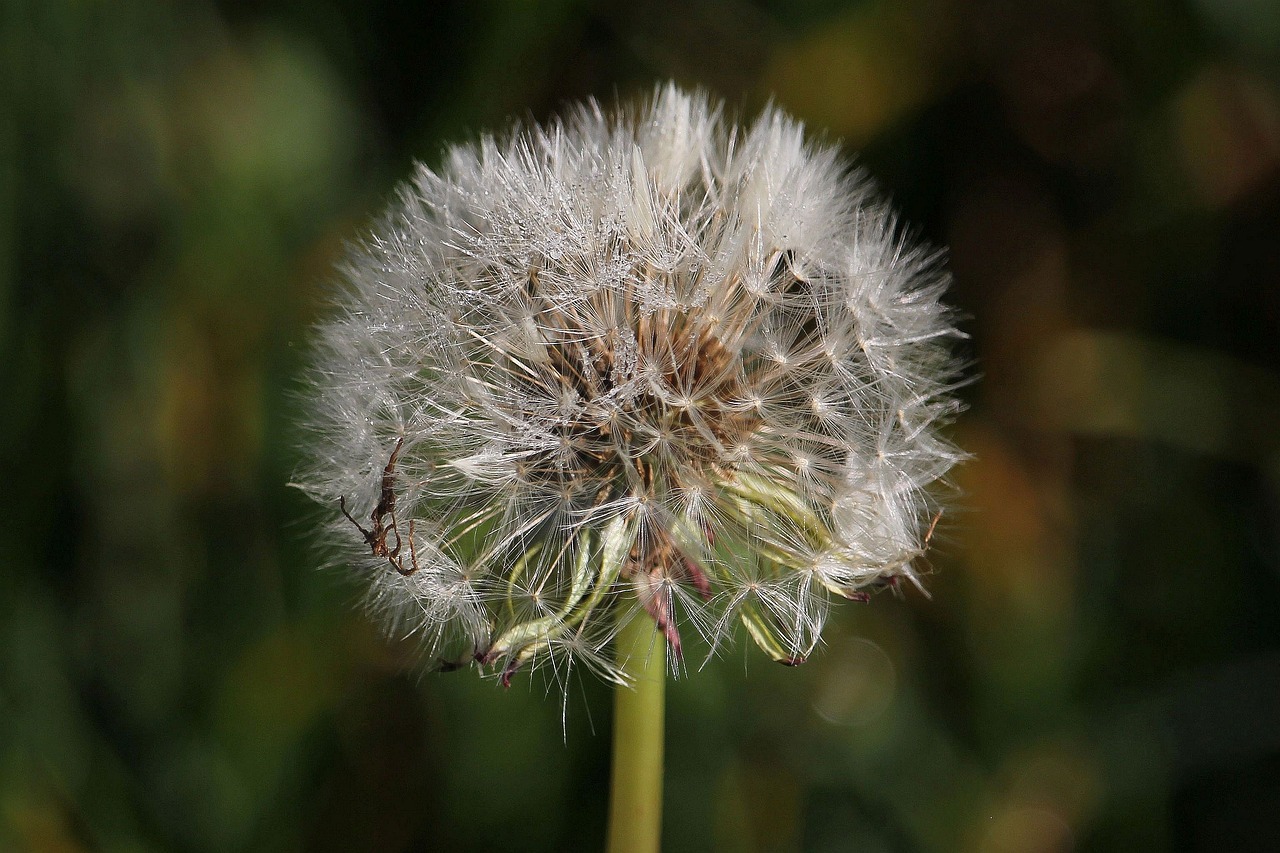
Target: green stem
635,800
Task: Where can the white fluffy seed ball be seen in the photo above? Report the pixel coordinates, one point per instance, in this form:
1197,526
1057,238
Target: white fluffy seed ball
634,364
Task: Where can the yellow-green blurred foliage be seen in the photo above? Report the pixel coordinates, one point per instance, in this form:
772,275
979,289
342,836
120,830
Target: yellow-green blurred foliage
1098,665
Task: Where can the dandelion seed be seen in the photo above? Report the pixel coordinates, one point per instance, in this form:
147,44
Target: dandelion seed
633,365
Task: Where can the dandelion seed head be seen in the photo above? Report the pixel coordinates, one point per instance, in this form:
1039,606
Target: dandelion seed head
631,364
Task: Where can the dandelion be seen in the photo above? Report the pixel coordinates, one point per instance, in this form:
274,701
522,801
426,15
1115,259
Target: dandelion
643,368
645,361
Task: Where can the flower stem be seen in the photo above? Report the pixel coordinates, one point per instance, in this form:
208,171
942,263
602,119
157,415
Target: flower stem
635,800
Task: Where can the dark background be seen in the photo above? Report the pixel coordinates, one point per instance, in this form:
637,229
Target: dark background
1098,667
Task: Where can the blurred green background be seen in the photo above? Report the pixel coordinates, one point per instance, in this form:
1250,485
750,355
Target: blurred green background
1098,667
